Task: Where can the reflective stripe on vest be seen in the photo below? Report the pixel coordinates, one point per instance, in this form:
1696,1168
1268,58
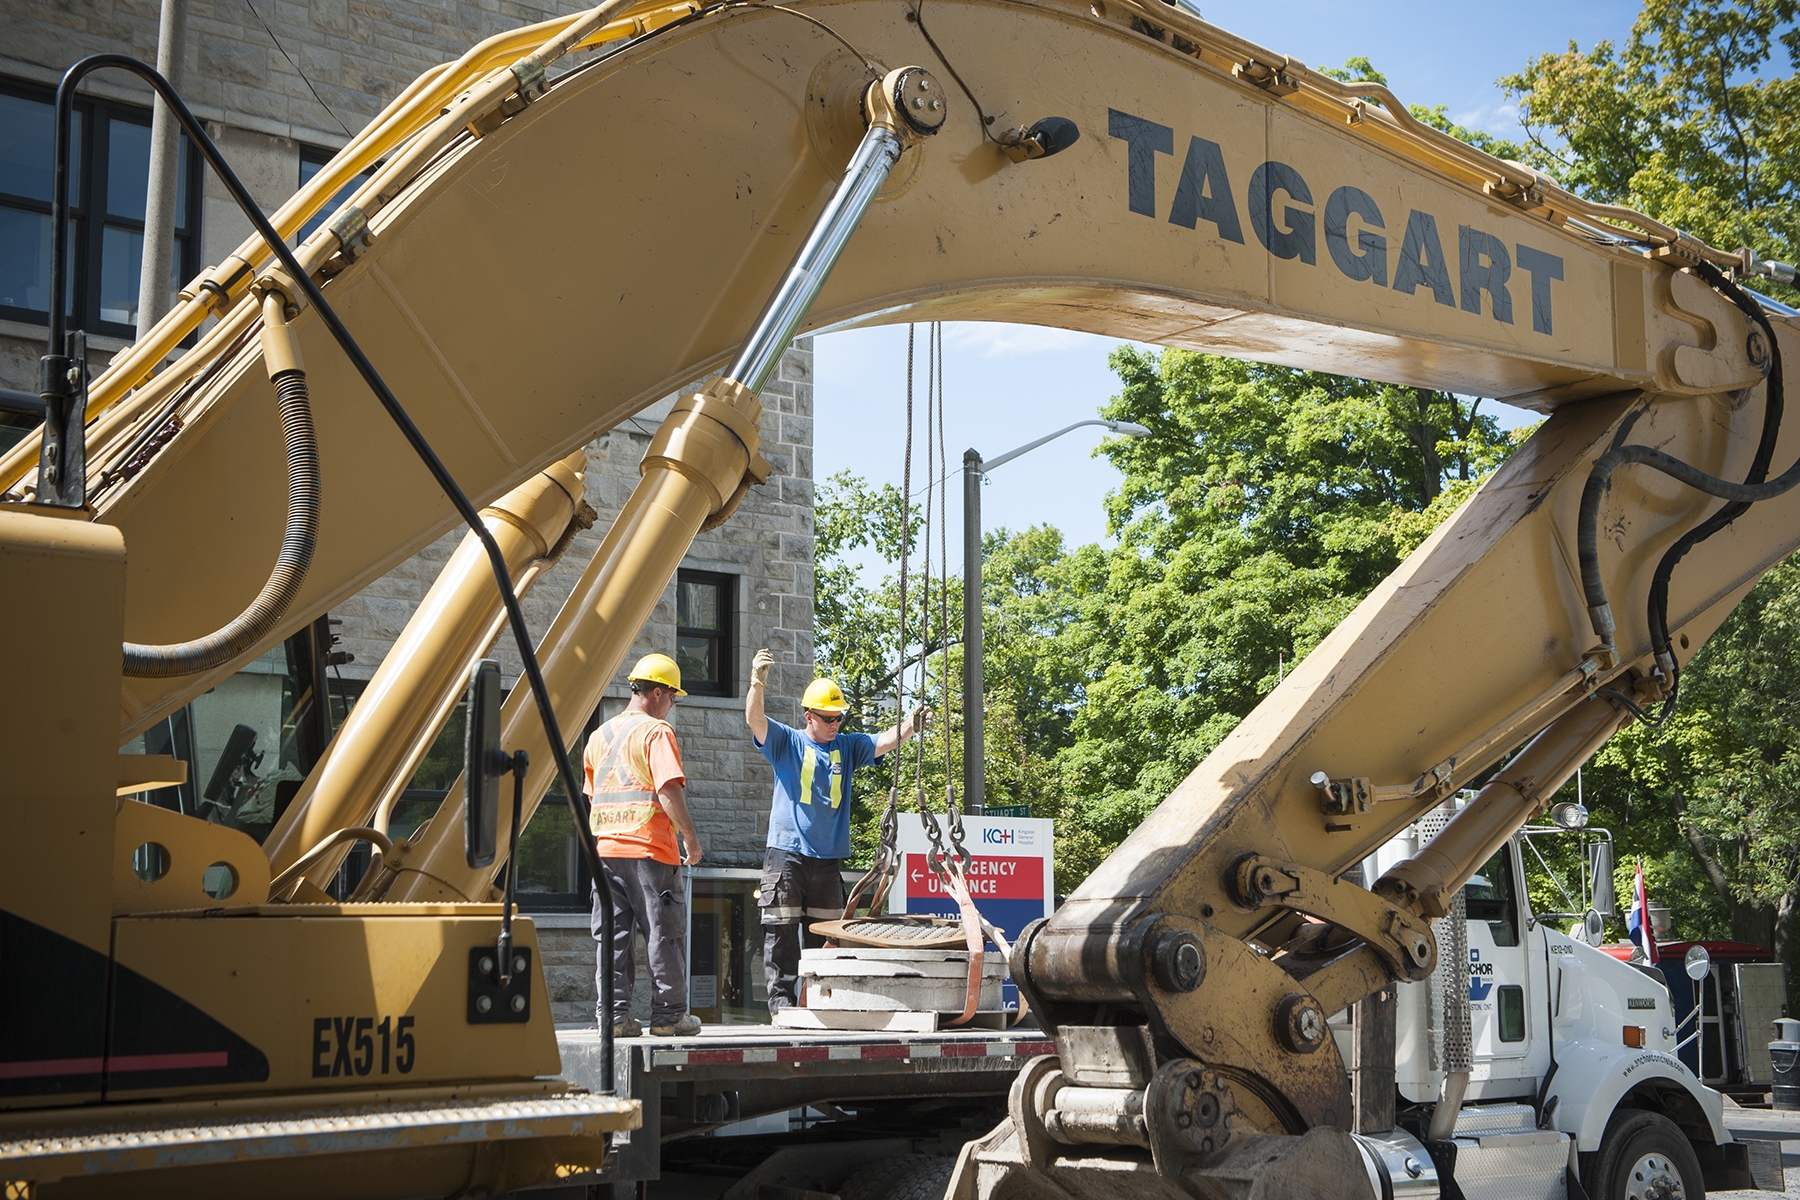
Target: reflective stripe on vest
617,809
809,765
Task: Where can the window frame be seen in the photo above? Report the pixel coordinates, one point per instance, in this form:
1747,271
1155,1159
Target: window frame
1503,918
317,157
581,899
725,635
87,209
1509,1004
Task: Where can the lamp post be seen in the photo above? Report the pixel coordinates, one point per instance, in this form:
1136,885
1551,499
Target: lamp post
974,469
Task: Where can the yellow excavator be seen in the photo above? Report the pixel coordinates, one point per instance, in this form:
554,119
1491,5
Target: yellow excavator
579,217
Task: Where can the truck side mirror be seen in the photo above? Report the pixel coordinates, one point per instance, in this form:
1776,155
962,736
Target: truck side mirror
1697,963
481,782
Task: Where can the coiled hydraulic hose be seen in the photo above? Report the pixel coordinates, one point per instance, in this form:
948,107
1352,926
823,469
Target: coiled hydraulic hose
1741,496
281,355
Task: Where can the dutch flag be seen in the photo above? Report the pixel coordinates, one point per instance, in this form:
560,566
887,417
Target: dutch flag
1637,920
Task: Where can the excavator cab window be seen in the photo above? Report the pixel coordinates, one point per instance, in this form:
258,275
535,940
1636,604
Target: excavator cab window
1491,897
252,738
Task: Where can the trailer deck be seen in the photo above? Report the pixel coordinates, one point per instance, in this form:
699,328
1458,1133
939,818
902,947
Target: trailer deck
729,1073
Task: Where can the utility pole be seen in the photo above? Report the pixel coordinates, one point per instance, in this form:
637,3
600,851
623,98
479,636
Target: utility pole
974,685
165,173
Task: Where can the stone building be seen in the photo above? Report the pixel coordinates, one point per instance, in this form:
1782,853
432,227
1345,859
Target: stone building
280,85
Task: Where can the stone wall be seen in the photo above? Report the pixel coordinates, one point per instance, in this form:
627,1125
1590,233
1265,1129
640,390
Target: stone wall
357,56
767,544
246,72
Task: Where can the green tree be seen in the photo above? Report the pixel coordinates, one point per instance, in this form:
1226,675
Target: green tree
1695,122
1358,69
1687,123
856,628
1034,685
1713,797
857,640
1038,632
1265,504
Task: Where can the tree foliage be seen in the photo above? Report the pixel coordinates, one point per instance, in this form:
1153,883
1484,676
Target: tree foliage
1696,122
1687,122
1712,799
1265,503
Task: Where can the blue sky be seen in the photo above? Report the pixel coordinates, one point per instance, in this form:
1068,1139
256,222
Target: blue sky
1009,384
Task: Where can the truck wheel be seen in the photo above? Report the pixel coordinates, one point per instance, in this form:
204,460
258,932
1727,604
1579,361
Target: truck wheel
1645,1156
929,1182
905,1177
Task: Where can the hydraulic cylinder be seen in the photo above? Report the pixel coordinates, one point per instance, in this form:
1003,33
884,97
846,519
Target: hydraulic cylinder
698,467
428,661
1429,881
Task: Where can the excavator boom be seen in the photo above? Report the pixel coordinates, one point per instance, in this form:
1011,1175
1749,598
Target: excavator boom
543,259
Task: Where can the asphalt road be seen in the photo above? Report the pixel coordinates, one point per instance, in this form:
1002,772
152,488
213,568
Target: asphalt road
1767,1124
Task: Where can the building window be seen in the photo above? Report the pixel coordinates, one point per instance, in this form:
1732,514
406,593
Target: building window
108,183
312,160
705,608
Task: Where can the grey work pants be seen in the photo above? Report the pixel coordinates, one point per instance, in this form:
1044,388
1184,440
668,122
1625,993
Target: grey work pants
646,895
796,890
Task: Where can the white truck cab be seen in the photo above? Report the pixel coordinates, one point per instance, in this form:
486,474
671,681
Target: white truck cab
1573,1088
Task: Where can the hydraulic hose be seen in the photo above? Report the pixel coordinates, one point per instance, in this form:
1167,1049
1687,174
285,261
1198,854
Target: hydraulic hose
1740,496
297,542
381,843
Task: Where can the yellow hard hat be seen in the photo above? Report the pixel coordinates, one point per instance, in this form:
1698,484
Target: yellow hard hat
824,696
658,668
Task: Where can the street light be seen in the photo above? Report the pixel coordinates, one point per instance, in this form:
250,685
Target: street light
974,468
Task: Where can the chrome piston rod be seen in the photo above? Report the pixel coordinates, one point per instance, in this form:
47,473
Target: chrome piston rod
905,106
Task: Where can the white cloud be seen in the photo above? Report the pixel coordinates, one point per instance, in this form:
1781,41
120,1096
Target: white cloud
992,339
1500,119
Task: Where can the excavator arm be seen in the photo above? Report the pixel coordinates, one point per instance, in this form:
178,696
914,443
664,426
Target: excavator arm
536,262
529,288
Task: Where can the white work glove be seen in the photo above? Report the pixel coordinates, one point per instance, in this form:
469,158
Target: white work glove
759,668
916,720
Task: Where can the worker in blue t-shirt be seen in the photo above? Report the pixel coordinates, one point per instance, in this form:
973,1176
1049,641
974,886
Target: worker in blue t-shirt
809,825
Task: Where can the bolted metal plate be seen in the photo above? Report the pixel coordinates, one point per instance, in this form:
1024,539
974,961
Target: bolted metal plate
1482,1120
491,1004
1513,1166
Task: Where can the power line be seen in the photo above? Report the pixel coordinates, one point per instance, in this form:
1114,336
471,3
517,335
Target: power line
297,70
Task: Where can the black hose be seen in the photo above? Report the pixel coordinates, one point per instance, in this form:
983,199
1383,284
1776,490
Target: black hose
1759,471
509,599
1740,496
254,623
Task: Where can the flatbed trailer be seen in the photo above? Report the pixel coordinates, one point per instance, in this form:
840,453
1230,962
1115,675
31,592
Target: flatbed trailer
917,1082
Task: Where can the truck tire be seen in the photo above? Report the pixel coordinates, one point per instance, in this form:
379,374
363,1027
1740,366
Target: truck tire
1645,1156
928,1182
904,1177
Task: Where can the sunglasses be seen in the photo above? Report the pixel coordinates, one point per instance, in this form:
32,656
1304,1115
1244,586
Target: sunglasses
828,718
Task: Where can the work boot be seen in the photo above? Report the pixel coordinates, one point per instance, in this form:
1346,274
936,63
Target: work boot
629,1027
688,1026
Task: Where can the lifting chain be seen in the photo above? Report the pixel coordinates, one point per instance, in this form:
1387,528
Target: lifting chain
948,856
874,886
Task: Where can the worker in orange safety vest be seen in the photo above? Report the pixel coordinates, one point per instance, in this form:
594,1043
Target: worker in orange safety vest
638,793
